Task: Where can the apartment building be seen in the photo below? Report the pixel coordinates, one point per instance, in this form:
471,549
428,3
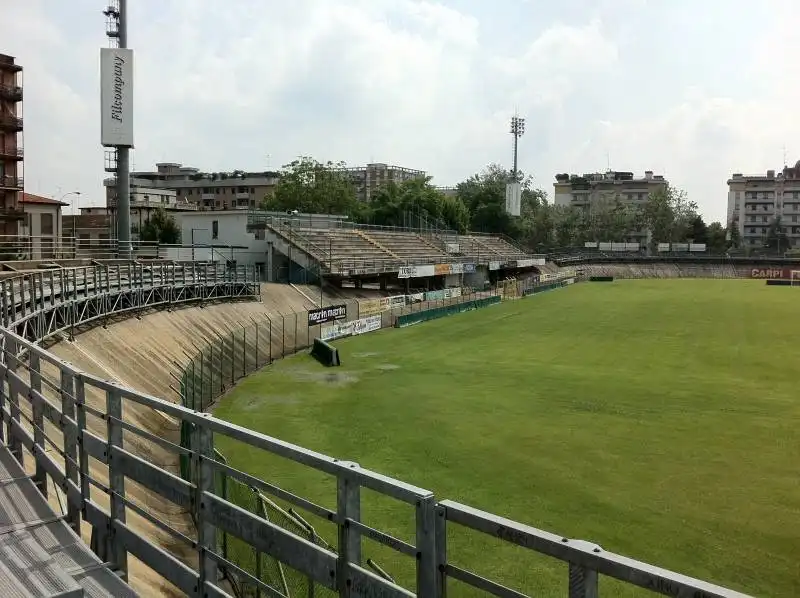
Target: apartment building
237,190
588,190
368,179
41,228
144,202
11,155
756,202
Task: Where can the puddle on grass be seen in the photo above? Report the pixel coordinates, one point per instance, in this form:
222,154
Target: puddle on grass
327,377
387,367
259,402
361,355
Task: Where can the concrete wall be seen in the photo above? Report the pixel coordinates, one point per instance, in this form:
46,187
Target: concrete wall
231,230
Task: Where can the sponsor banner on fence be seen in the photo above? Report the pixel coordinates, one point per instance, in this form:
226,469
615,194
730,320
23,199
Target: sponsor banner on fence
416,298
772,273
469,268
397,301
364,325
494,265
415,271
441,269
343,329
456,292
527,263
434,295
323,315
369,307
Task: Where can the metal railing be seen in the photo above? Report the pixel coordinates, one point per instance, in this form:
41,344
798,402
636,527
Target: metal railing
24,247
11,181
97,439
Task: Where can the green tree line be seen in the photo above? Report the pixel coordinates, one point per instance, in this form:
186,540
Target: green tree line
478,204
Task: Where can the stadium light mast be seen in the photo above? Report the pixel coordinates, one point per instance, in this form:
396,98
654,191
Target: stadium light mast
116,114
517,130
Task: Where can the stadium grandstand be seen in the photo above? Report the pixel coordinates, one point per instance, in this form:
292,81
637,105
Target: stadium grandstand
341,248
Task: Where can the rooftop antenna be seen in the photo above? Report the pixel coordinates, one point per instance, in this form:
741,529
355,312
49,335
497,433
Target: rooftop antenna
785,163
608,161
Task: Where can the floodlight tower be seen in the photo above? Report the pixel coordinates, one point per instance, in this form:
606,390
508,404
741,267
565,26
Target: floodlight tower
517,130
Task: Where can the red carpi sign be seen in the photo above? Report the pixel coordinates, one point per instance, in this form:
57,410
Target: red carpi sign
773,273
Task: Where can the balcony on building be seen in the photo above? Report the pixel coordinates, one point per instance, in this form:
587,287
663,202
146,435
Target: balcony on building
11,153
7,64
8,181
11,93
11,123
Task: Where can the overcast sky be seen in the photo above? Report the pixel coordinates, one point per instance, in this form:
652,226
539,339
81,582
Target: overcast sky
695,90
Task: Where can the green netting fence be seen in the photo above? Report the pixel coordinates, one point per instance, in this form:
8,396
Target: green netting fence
448,310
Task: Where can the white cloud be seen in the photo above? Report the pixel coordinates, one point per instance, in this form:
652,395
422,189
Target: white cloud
418,83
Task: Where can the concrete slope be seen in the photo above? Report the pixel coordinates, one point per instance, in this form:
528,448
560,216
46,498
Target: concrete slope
144,354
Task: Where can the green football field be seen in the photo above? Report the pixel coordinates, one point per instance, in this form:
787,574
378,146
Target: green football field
657,418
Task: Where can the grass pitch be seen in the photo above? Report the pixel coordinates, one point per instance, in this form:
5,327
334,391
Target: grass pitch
657,418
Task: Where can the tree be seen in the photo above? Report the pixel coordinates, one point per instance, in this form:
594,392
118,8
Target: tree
484,196
698,231
734,238
716,241
776,238
416,202
668,214
312,187
162,228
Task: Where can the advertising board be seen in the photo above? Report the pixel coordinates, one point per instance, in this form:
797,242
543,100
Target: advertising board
469,268
441,269
772,273
456,268
369,307
116,97
513,198
452,248
415,271
397,301
343,329
494,265
527,263
323,315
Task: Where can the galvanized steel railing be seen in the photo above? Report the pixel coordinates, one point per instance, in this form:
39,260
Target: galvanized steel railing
79,431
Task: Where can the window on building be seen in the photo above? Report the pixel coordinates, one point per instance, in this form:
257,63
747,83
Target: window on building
215,229
252,189
752,231
46,224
